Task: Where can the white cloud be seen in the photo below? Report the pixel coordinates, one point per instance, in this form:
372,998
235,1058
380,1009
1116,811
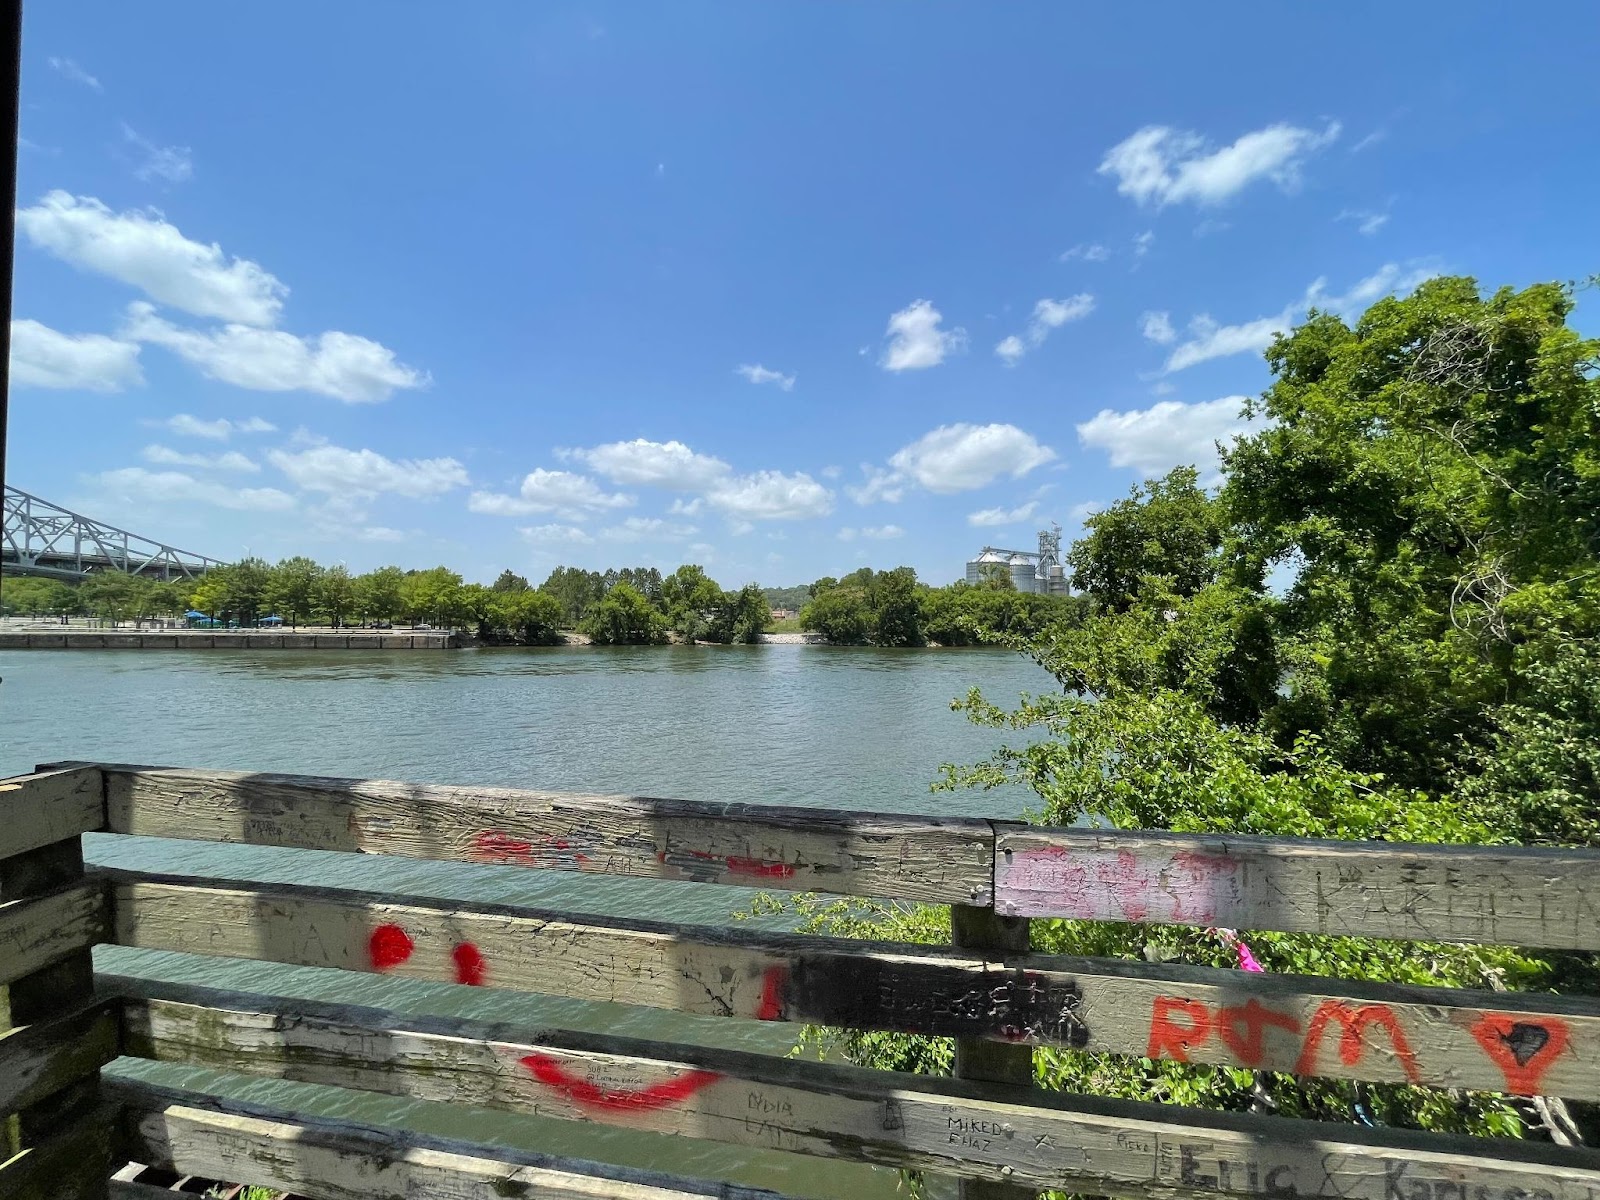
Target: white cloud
770,496
175,164
543,535
342,472
1047,315
957,458
545,491
218,431
888,486
882,533
831,472
1367,221
1209,340
378,533
134,486
651,529
142,249
46,358
1165,435
847,534
643,463
1372,139
232,460
756,373
916,341
1160,165
342,365
1142,243
1003,516
1157,327
1087,251
71,70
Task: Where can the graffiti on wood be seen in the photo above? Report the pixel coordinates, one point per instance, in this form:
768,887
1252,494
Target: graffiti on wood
585,1093
1521,1047
1186,887
492,846
390,946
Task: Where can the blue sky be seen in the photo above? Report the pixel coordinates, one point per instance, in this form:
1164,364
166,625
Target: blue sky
779,288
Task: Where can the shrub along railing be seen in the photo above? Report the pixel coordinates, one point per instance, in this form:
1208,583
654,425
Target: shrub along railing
987,1125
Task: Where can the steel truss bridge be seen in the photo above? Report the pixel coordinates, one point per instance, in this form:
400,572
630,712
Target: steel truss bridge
41,538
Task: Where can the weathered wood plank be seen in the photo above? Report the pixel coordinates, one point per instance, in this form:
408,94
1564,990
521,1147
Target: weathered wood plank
991,1131
798,849
72,1164
39,1060
200,1134
49,806
35,933
1497,895
1518,1042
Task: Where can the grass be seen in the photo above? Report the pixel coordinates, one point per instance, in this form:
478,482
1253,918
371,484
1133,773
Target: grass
788,625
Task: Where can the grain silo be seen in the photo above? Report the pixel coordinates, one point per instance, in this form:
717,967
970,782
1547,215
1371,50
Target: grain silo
989,558
1022,573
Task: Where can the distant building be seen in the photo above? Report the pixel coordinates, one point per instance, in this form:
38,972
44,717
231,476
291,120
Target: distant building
1039,571
784,614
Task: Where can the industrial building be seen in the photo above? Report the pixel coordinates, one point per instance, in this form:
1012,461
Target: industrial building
1038,570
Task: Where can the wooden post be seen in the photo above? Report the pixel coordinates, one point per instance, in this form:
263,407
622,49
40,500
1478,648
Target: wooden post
983,929
65,1117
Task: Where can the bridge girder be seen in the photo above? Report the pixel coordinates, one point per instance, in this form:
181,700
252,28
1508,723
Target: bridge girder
41,538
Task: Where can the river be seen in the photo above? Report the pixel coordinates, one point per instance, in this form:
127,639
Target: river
812,725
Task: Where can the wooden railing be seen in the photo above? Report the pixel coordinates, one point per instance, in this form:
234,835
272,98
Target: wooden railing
69,1129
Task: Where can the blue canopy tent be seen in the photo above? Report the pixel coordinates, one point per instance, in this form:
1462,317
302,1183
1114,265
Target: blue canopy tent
273,620
194,615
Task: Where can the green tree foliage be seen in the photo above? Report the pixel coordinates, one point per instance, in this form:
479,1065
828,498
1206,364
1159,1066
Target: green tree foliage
432,596
294,588
377,594
528,617
575,590
890,608
26,595
623,617
692,602
1167,530
336,594
509,581
787,597
1428,480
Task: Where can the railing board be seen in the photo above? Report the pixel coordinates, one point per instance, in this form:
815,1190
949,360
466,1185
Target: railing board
37,932
197,1133
41,1059
934,859
49,806
1506,1041
960,1126
1496,895
71,1164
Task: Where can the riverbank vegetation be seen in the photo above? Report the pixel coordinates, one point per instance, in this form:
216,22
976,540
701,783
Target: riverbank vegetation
1383,624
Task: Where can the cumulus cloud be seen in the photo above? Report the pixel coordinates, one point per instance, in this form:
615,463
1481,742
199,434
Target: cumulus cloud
915,340
643,463
1208,340
1047,315
218,431
1167,434
68,69
1367,221
134,486
366,473
1142,243
879,533
960,457
756,373
551,535
232,460
175,164
42,357
1087,251
542,491
1159,165
878,484
1002,516
770,496
142,249
1157,327
341,365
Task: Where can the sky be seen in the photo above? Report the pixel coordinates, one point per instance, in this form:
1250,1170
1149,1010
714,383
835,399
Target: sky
783,289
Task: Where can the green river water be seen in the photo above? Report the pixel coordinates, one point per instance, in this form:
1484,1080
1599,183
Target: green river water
803,725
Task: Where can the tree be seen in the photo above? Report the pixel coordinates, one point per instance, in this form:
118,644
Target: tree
896,614
623,617
247,582
377,594
432,594
509,581
840,615
531,617
293,587
116,596
1166,529
336,593
33,596
749,614
575,590
692,602
210,592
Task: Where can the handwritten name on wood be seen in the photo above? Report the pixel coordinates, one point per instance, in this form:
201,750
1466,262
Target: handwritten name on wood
973,1129
39,931
868,854
1519,896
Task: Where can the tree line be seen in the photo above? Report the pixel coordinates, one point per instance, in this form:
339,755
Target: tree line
891,608
633,605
